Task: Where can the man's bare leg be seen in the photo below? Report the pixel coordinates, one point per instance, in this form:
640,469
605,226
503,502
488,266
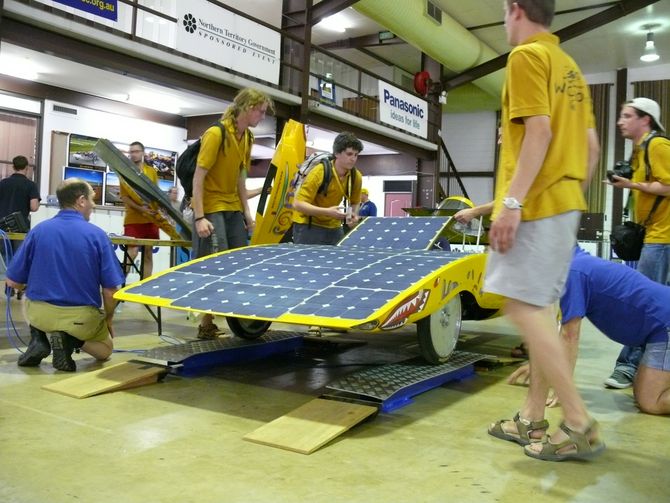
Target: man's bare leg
100,350
129,260
148,259
549,359
534,406
652,390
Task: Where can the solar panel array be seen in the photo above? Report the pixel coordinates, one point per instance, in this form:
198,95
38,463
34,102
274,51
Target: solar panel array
349,281
392,233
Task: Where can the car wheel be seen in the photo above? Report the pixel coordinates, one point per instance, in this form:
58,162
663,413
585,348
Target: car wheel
247,329
438,333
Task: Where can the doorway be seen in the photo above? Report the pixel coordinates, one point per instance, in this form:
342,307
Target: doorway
18,136
394,202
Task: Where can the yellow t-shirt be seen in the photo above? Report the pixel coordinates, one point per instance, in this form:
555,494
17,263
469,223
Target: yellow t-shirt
220,188
658,229
541,79
335,192
132,216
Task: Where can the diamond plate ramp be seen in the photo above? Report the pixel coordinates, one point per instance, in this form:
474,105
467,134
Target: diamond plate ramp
394,385
194,357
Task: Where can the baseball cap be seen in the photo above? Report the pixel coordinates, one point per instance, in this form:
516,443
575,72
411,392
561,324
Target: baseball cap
649,107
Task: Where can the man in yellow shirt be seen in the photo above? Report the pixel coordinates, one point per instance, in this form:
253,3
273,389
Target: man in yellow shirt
221,215
548,152
640,121
318,215
137,221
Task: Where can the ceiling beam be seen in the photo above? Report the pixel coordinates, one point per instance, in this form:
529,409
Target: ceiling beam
621,9
556,14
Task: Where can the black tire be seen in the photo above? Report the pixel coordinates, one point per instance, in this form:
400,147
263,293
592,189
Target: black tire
438,333
247,329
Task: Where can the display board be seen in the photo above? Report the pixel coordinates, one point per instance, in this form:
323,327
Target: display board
94,177
81,154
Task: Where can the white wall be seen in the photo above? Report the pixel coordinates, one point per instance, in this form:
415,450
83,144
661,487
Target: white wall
375,186
471,141
115,128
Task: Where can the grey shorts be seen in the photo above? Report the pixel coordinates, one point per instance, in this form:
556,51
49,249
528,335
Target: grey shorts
534,271
657,355
304,234
229,232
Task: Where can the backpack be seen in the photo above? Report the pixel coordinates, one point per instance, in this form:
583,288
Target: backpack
187,161
304,169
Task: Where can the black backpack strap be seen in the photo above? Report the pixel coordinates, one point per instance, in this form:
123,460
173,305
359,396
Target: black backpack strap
327,175
647,173
657,202
223,133
647,164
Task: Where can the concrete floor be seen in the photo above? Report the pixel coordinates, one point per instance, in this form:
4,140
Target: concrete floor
181,440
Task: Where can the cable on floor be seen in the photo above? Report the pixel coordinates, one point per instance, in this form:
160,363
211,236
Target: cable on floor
9,252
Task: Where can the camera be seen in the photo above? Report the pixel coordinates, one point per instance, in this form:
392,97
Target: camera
622,169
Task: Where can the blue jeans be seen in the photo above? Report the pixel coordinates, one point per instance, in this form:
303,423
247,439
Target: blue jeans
654,263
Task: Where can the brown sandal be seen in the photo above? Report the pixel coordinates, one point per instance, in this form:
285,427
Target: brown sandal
583,447
208,332
524,428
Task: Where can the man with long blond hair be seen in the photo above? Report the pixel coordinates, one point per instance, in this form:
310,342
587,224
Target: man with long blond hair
221,215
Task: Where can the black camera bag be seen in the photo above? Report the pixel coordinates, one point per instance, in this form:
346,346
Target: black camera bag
627,240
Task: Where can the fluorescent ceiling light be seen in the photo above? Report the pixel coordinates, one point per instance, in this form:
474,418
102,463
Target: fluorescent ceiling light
155,101
337,22
21,68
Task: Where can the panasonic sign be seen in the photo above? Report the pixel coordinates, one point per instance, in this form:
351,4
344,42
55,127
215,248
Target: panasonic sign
403,110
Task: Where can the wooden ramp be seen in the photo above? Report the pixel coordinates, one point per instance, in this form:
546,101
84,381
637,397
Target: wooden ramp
117,377
311,426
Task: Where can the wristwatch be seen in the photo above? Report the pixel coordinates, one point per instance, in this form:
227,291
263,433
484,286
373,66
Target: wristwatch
512,203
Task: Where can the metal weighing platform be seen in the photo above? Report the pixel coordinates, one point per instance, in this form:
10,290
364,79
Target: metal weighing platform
392,386
196,357
388,387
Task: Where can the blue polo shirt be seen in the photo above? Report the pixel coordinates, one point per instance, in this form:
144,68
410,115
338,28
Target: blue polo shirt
626,306
367,209
65,260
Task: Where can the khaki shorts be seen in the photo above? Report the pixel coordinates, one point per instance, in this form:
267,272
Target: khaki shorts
86,323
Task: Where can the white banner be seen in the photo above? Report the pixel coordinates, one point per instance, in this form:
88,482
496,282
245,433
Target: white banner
403,110
226,39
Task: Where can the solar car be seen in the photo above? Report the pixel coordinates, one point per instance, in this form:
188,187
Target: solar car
383,275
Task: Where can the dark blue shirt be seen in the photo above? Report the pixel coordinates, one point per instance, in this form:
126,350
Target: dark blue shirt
65,260
367,209
626,306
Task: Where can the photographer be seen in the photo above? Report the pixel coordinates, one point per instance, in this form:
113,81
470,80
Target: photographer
639,121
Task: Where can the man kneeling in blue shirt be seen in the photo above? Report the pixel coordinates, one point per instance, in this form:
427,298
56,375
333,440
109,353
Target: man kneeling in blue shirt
628,308
63,264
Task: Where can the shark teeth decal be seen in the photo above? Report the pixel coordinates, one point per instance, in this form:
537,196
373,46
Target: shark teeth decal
409,306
